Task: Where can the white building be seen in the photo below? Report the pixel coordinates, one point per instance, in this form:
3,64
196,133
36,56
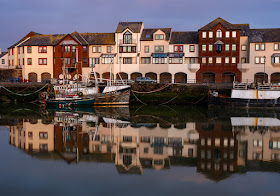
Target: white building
3,60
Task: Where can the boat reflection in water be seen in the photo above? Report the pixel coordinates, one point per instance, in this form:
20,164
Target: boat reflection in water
136,140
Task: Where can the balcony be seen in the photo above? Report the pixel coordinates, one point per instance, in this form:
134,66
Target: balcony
243,67
133,42
194,67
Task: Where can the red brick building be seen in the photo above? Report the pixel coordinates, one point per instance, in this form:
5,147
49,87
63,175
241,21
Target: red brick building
65,54
219,43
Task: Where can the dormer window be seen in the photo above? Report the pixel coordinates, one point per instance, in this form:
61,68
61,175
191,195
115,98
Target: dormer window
219,34
148,36
127,38
159,36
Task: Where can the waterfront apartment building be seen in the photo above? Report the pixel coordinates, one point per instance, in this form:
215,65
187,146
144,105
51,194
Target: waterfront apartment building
219,52
3,60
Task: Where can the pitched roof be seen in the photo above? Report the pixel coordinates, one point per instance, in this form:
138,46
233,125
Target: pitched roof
264,35
75,35
225,23
44,40
30,34
3,54
99,38
150,32
187,37
135,27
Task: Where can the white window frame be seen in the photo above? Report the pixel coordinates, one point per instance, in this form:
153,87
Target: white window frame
226,60
244,47
233,60
210,34
227,47
233,47
204,34
227,34
219,34
203,60
218,60
210,47
204,48
233,34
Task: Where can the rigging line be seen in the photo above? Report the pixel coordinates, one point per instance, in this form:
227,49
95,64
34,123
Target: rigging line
170,100
199,100
159,89
138,99
23,94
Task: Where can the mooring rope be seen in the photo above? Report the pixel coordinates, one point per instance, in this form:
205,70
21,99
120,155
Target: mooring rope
159,89
23,94
138,99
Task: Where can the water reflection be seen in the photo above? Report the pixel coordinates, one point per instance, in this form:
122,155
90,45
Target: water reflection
218,143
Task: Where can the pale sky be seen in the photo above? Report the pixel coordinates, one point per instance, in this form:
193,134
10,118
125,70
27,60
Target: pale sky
19,17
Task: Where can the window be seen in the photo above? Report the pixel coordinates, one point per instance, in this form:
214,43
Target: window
243,60
275,59
12,51
203,34
227,47
127,38
29,61
210,47
203,60
3,61
106,59
192,60
127,139
227,34
18,50
66,48
174,60
85,60
191,48
127,49
159,36
190,152
42,49
109,50
159,48
146,49
178,48
210,34
96,49
218,48
219,34
274,144
226,60
127,60
73,48
203,47
95,61
257,143
146,150
233,34
210,60
259,60
67,61
233,47
19,61
30,134
43,135
233,60
146,60
42,61
243,47
219,60
74,60
260,47
29,49
276,46
84,49
159,60
43,147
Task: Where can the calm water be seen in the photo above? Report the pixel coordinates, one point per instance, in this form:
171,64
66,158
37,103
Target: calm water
139,151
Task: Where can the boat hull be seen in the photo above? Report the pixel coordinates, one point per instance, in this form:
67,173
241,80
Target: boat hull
70,103
120,97
228,102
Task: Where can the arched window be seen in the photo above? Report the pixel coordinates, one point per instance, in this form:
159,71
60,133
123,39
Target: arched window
127,38
219,34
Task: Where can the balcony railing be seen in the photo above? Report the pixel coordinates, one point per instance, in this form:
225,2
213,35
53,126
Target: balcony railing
127,42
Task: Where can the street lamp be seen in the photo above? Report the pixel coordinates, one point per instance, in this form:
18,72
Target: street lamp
264,69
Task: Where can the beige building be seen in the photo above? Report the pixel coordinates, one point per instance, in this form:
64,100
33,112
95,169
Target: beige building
259,56
3,60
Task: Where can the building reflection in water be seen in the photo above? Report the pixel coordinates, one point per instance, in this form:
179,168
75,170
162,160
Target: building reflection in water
217,147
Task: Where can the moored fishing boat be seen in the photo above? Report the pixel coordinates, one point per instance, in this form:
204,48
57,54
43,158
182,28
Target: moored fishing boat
249,96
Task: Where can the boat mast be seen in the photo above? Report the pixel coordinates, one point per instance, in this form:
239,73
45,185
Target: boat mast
77,75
